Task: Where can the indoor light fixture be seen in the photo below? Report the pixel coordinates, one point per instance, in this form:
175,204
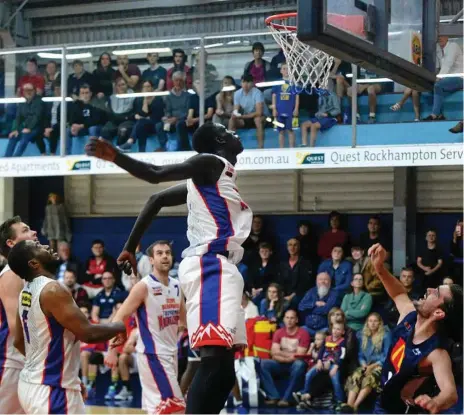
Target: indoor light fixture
143,94
70,56
56,99
269,83
141,51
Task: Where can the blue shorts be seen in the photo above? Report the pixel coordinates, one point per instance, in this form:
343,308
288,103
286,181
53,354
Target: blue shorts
326,122
287,121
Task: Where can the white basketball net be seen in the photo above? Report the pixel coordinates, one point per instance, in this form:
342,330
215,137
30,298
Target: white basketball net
308,67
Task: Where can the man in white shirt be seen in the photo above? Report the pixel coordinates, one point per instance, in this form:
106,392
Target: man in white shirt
450,64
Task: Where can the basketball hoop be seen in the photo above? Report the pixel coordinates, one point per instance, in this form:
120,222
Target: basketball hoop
308,67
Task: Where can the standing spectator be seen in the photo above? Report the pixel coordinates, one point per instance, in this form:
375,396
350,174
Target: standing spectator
79,78
285,107
56,226
52,78
70,282
121,114
308,243
340,270
52,123
262,272
258,68
372,91
179,58
374,341
317,303
211,75
334,236
450,64
175,113
33,78
104,75
374,235
274,305
130,72
356,305
67,261
84,118
457,252
325,118
148,113
225,101
287,343
430,261
29,122
249,109
106,300
156,74
96,265
295,274
259,233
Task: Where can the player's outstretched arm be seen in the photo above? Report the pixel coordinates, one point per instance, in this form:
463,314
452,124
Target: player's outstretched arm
136,297
394,288
19,336
194,166
56,301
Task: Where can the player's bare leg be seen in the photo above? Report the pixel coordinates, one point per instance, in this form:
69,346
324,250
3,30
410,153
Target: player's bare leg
315,127
304,132
282,139
291,138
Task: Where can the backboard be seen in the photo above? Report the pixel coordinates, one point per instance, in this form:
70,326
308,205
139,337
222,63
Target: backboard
395,39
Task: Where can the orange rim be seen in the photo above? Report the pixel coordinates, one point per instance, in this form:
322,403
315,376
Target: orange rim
283,16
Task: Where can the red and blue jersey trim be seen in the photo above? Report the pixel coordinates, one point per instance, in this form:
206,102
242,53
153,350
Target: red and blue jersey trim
54,362
4,335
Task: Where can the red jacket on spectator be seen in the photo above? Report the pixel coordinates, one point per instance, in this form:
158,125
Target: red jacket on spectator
328,240
188,77
37,80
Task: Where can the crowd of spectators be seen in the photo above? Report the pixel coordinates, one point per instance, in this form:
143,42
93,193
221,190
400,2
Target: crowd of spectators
99,107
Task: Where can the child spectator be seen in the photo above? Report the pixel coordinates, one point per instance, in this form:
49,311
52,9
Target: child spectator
330,357
285,105
314,349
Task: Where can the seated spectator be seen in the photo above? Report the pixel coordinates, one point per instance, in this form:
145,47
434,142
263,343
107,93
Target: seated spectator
193,116
104,75
258,68
276,65
325,119
175,113
314,350
96,265
52,79
130,72
316,304
374,341
408,92
375,235
210,72
334,236
179,59
225,102
450,64
340,70
274,305
70,282
308,243
259,233
156,74
356,305
448,281
373,285
285,107
84,118
287,343
457,252
262,272
340,270
295,275
430,261
67,261
358,259
29,122
105,301
148,113
33,78
250,309
121,114
329,360
52,124
79,78
249,109
372,91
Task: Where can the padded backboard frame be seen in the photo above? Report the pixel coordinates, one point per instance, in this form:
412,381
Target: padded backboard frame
314,29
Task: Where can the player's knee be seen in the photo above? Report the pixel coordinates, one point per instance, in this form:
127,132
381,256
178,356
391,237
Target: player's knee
124,358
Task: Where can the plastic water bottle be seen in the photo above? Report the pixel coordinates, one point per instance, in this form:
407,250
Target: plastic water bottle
346,117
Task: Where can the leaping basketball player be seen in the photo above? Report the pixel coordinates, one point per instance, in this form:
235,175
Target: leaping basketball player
158,303
12,231
416,350
218,223
49,326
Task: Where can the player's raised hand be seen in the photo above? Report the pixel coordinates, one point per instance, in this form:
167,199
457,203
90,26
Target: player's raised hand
127,262
427,403
101,148
377,254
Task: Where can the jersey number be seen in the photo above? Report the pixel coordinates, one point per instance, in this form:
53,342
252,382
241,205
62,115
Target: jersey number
26,329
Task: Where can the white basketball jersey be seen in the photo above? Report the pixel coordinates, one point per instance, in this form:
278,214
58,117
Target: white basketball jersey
9,355
218,219
158,317
52,352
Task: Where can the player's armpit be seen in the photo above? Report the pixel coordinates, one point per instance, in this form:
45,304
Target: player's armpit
10,288
57,302
19,336
136,296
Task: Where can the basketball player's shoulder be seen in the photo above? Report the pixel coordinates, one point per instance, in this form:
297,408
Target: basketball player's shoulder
208,160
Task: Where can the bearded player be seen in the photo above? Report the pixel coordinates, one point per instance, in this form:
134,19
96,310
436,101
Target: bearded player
218,223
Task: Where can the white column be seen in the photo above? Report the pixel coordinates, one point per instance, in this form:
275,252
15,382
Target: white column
6,198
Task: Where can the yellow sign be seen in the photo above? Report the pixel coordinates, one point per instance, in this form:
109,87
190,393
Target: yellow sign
416,48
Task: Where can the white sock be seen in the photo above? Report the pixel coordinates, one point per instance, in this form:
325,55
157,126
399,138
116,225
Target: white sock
372,114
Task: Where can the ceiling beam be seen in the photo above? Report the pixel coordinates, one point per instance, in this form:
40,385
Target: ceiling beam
451,30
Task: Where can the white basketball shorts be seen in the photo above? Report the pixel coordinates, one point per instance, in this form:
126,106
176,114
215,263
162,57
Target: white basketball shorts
213,289
44,399
160,389
9,401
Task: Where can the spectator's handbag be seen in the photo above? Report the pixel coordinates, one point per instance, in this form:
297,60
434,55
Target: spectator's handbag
247,371
263,331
